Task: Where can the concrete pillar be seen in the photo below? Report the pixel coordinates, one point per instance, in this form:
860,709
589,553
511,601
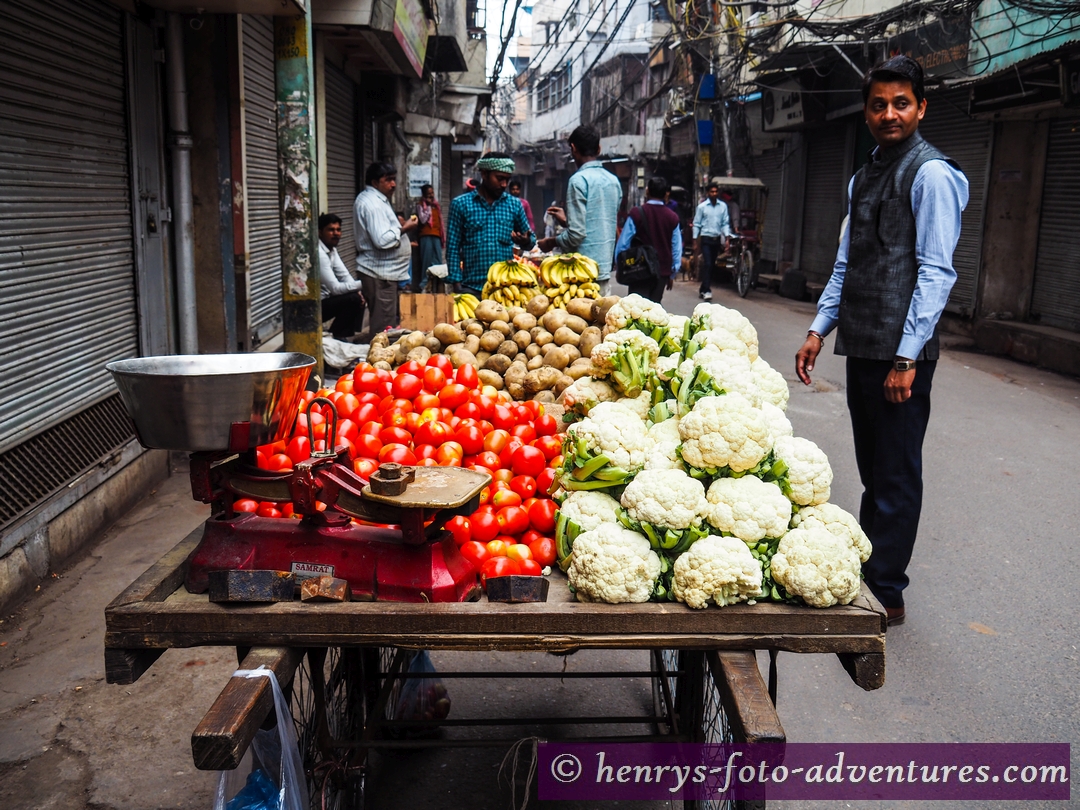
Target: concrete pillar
294,77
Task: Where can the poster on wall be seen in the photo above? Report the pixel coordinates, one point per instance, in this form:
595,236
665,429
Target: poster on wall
419,175
410,30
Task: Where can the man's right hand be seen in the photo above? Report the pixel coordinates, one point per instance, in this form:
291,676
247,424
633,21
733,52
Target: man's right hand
804,359
558,215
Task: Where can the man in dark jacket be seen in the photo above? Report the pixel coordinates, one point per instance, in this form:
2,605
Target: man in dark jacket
655,225
889,286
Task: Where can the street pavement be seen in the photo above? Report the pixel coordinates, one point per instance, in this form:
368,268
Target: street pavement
988,653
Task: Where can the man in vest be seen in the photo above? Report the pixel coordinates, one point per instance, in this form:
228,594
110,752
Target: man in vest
655,225
889,285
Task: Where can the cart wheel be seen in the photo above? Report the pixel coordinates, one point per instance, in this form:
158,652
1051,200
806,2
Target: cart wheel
329,709
744,272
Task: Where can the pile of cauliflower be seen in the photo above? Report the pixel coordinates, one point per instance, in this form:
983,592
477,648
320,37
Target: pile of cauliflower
682,477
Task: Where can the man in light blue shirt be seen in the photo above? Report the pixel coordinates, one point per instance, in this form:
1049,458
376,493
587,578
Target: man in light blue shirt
592,207
712,227
889,286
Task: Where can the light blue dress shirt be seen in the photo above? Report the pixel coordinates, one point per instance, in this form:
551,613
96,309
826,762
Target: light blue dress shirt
939,195
712,219
592,215
629,229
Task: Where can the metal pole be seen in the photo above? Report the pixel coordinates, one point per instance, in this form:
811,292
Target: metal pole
297,183
727,138
180,143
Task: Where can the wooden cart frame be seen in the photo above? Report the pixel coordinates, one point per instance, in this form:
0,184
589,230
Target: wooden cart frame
342,662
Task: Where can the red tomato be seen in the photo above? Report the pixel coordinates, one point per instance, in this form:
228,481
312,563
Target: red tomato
441,362
523,485
411,367
470,438
261,459
550,446
519,552
446,415
412,421
530,568
497,566
399,453
503,418
364,467
449,455
485,426
528,461
372,428
246,505
395,435
368,381
497,547
525,432
368,446
527,537
504,476
367,412
513,520
469,410
433,433
425,451
466,375
476,553
348,429
394,417
427,462
460,527
307,396
546,425
535,408
542,516
453,396
543,551
434,379
367,397
489,460
425,402
347,405
506,497
279,461
299,449
485,404
268,510
496,440
485,527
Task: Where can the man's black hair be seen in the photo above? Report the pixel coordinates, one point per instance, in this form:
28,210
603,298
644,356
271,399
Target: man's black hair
514,182
328,219
897,69
586,140
378,170
425,187
657,187
711,186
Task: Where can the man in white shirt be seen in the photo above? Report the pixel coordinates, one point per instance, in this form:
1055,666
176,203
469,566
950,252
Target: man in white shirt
383,251
342,297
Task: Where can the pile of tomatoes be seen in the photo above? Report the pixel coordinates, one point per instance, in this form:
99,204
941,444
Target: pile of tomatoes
432,415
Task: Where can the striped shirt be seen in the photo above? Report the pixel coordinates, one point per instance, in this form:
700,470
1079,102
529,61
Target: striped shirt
478,235
381,252
592,212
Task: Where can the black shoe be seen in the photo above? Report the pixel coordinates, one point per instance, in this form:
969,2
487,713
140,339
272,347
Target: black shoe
894,616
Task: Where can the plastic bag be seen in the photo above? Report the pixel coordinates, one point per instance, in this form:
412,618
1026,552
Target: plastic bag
422,698
439,270
276,747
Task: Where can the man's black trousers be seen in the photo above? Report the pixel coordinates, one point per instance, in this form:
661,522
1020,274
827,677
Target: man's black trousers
711,247
653,290
347,310
888,450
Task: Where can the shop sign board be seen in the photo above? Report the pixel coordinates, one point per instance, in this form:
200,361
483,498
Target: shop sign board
410,30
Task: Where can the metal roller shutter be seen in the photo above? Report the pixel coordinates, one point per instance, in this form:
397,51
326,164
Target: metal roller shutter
341,157
770,170
260,138
67,279
966,141
826,201
1055,299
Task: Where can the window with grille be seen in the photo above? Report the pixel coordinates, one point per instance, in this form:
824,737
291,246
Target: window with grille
553,91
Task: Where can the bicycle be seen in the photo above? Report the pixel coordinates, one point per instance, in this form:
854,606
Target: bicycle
743,270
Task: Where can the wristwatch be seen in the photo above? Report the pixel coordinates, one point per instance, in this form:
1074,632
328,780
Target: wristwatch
903,365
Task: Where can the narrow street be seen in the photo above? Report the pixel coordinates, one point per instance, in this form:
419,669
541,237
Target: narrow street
987,653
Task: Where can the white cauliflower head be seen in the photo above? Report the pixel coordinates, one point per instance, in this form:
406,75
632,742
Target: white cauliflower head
817,565
615,431
589,509
641,404
666,366
632,310
625,358
730,370
722,340
668,499
726,431
716,569
666,440
676,328
770,383
613,564
585,392
717,316
809,476
748,508
838,521
777,421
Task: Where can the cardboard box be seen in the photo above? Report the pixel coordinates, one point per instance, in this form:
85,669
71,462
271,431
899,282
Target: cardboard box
424,310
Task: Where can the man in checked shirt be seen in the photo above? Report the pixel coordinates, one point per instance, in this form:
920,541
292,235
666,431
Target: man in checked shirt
484,225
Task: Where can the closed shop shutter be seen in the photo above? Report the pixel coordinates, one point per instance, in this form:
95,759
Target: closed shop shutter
341,134
966,141
1055,299
770,170
67,278
825,201
260,138
447,187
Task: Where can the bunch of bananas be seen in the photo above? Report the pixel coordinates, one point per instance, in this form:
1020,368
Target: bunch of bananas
511,283
567,277
465,305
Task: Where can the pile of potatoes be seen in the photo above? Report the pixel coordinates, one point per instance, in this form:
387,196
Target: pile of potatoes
533,352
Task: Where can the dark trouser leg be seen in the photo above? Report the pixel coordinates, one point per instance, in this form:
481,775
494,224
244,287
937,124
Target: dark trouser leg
382,298
709,251
347,310
653,290
888,450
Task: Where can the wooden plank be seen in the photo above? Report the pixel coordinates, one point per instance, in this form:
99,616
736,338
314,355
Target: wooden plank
745,697
127,666
161,578
425,311
866,669
227,729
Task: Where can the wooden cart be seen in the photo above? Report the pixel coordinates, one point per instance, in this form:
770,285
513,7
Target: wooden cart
341,663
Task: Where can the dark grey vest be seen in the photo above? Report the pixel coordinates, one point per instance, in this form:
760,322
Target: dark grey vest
882,268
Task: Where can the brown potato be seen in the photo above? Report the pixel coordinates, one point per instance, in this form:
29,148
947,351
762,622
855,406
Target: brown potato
509,348
502,327
601,306
557,359
571,351
538,305
434,345
448,334
541,336
382,364
580,307
414,339
532,350
488,377
547,348
462,357
516,372
517,391
380,354
576,372
489,311
553,320
564,382
421,354
498,363
523,339
490,340
472,344
590,338
475,327
541,379
513,312
565,334
524,321
481,358
380,341
547,397
535,363
579,325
